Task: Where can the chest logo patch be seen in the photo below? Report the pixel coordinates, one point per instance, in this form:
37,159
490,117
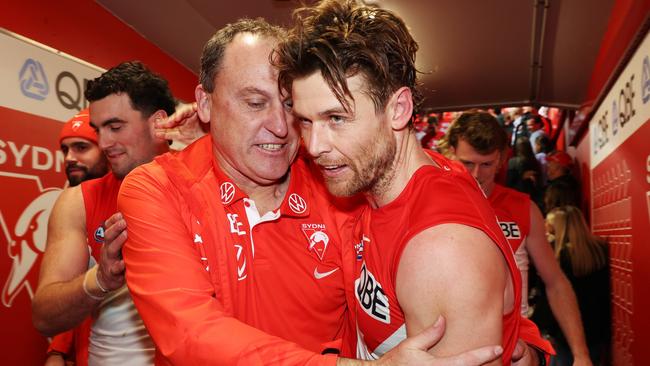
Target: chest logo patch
99,234
227,191
297,204
510,230
317,238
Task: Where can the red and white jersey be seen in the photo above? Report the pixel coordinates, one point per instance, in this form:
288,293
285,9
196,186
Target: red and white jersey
116,314
100,202
289,261
433,196
513,213
224,273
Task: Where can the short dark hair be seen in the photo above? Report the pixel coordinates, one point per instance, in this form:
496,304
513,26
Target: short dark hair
149,92
214,49
341,39
479,129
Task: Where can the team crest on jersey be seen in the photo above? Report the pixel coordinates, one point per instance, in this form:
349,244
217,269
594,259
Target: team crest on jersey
371,296
99,233
358,247
317,238
510,229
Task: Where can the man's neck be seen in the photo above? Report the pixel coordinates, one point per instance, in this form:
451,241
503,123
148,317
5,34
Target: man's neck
267,197
409,157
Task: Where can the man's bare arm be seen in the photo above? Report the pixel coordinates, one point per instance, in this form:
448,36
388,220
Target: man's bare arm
561,296
60,302
455,271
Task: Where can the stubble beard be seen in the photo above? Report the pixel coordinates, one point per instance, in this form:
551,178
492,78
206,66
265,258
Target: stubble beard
374,172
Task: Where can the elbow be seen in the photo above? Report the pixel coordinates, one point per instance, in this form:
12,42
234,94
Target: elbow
41,324
40,320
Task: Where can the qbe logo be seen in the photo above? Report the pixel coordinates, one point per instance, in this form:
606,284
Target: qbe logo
371,296
33,82
510,230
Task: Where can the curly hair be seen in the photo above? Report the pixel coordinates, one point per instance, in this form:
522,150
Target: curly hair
214,49
342,39
149,92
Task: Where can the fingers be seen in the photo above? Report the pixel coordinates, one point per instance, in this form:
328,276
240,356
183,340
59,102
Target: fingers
477,357
114,236
428,337
182,114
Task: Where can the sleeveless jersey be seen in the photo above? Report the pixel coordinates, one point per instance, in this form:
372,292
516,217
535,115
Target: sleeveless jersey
513,213
117,334
433,196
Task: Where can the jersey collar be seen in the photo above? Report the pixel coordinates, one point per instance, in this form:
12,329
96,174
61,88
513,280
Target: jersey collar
296,200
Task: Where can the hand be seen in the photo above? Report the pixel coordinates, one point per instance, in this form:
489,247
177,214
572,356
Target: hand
524,355
183,126
110,272
413,351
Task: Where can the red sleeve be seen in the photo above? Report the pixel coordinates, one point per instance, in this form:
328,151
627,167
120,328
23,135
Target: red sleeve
173,292
62,343
529,333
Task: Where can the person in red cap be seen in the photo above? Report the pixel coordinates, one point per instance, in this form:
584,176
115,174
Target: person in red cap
559,165
84,159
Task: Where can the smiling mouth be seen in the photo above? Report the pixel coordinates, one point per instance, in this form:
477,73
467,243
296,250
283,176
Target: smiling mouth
270,147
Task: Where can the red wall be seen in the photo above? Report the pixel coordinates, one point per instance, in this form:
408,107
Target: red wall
87,31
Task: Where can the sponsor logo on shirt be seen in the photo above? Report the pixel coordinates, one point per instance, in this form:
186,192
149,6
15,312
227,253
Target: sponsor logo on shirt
227,191
317,238
297,204
510,229
371,296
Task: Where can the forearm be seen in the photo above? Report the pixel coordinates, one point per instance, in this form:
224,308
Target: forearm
564,306
60,306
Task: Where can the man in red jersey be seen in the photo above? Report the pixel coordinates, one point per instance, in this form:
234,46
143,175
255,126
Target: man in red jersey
430,245
124,103
84,160
236,227
477,140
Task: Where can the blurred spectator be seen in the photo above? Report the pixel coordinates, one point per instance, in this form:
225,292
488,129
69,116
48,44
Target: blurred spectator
557,195
541,148
524,172
558,169
432,133
584,259
535,127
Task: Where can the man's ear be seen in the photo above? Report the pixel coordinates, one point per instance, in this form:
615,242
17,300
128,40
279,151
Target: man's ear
400,108
157,115
203,103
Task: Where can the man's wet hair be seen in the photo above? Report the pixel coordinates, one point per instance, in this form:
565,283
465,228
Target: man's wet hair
341,39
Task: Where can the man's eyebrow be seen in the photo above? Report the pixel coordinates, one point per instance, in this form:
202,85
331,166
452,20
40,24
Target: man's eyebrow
326,113
251,90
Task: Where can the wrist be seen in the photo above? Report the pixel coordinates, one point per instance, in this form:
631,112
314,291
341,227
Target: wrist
91,285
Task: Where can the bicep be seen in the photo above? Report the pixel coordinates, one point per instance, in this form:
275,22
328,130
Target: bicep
66,253
458,272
